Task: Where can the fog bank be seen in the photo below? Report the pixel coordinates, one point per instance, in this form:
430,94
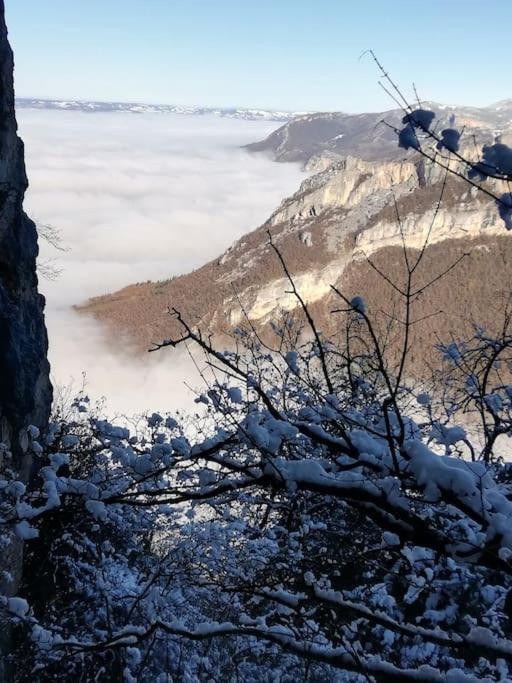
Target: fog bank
137,197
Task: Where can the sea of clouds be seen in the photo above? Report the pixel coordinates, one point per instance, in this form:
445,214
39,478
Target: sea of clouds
135,198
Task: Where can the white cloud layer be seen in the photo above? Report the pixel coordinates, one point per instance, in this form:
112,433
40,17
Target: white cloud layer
138,198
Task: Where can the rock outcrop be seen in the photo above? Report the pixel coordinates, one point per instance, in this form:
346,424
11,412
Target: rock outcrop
25,390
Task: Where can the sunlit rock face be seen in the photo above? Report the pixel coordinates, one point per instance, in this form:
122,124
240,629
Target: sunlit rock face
325,231
25,390
366,198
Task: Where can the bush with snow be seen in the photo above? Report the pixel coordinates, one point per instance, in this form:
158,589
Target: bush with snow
317,519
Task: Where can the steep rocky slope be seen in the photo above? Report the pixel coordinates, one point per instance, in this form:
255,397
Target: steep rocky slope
325,231
25,391
25,394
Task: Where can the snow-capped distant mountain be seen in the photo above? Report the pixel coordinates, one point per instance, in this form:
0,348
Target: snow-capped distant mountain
137,108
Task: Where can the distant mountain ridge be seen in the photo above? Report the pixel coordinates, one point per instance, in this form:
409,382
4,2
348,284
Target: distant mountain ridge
140,108
366,137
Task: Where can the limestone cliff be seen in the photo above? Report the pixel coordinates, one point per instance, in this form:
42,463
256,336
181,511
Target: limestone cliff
342,214
325,230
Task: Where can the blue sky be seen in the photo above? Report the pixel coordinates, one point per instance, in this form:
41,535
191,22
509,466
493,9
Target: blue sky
290,54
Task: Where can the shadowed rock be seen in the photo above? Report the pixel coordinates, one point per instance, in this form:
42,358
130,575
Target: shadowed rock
25,390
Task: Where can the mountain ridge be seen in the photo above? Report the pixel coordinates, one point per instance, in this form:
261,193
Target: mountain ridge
91,106
368,137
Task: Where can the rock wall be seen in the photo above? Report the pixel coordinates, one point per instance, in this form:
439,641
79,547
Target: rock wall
25,389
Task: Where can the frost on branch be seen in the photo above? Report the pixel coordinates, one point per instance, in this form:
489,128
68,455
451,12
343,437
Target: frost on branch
419,133
317,519
450,139
495,161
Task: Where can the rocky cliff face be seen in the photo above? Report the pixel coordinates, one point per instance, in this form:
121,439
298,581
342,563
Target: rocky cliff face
338,217
25,390
325,231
